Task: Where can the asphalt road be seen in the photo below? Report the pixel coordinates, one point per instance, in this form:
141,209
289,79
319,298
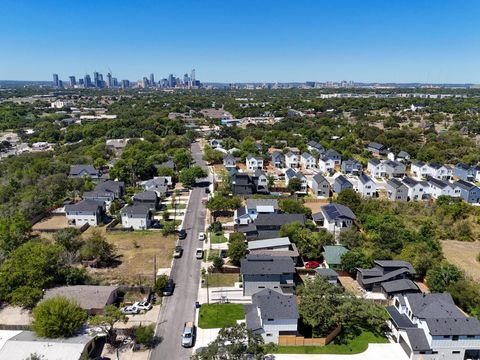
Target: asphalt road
180,307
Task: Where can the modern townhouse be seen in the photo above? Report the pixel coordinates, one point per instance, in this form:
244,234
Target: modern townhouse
248,213
440,172
254,163
377,149
307,161
335,217
417,190
137,216
82,171
439,188
326,165
278,160
403,156
229,161
341,183
469,192
291,160
86,211
290,174
396,190
149,198
420,170
333,155
394,169
366,186
315,146
320,186
376,168
351,167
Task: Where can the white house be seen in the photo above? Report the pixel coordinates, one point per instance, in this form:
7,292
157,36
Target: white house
420,170
290,174
248,213
307,161
138,216
439,188
326,165
440,172
291,160
254,162
366,186
431,327
336,216
416,189
376,168
85,212
272,314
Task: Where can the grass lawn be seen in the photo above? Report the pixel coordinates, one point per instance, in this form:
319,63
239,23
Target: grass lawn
218,239
221,280
214,316
212,254
177,222
136,250
353,346
179,206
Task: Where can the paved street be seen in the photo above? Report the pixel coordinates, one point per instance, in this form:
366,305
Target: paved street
180,307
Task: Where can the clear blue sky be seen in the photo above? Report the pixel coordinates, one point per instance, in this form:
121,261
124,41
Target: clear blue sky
247,40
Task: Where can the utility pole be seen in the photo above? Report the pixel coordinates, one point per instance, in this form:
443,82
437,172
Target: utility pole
154,269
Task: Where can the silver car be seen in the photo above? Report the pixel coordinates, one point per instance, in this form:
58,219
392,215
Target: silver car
188,334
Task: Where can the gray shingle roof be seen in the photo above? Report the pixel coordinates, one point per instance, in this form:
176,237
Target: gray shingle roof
268,243
342,180
87,296
464,185
417,339
77,169
136,210
269,265
409,181
374,162
433,306
329,273
110,185
396,263
398,286
319,178
364,179
84,205
146,196
455,326
438,183
278,219
376,146
386,277
274,305
337,211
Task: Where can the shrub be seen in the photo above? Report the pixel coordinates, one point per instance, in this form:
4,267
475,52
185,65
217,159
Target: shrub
160,284
144,334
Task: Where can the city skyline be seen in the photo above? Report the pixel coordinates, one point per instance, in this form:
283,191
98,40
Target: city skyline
277,42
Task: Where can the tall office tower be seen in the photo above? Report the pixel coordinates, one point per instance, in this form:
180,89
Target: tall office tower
96,79
80,82
114,82
152,80
144,82
186,79
171,81
192,77
125,84
73,81
60,84
55,80
87,81
163,83
109,80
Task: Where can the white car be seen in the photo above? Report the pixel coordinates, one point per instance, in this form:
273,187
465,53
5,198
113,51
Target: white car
201,236
199,253
129,310
144,305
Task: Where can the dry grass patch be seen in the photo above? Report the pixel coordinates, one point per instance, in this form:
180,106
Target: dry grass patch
464,255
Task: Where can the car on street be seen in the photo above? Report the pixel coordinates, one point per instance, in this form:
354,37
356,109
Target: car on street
199,253
130,310
168,289
143,305
201,236
182,234
312,264
207,190
188,335
178,251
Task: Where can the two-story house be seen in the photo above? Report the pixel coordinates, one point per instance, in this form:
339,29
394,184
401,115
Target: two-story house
469,192
320,186
416,190
85,212
333,155
307,161
366,186
278,160
396,190
315,146
254,162
420,170
248,213
440,172
377,149
272,314
464,172
281,246
149,198
351,167
326,165
291,160
431,327
335,217
82,171
229,161
394,169
439,188
290,174
341,183
137,216
376,168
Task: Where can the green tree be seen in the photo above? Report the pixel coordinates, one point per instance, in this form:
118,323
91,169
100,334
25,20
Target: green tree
237,236
351,238
14,231
236,251
58,317
144,334
217,262
350,198
212,156
106,321
355,259
294,185
182,159
188,176
291,206
69,239
160,284
442,275
466,294
422,257
96,247
169,228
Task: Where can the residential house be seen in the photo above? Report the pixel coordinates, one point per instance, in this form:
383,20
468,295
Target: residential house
376,168
351,167
315,146
91,298
268,225
330,274
248,213
334,217
366,186
394,169
169,164
216,144
469,192
117,145
420,170
440,172
278,160
158,184
117,188
430,326
385,271
416,190
326,165
403,156
290,174
254,162
333,155
396,190
332,255
464,172
377,149
260,272
307,161
439,188
137,216
272,314
82,171
274,247
341,183
149,198
260,180
242,184
102,197
476,171
320,186
85,212
229,161
291,160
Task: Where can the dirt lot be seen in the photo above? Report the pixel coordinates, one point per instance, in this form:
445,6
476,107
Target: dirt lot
315,206
463,254
51,222
137,250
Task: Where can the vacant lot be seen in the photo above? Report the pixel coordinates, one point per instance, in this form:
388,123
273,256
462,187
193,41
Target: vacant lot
221,280
51,222
136,250
214,316
315,206
464,255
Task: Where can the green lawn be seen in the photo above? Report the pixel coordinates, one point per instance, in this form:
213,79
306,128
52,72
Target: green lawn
220,315
217,238
212,254
354,346
221,280
179,206
177,222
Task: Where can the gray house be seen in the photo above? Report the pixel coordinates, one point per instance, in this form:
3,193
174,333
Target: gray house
272,314
464,172
396,190
394,169
315,146
260,272
333,155
469,192
115,187
81,171
229,161
341,183
352,167
149,198
377,149
278,160
320,186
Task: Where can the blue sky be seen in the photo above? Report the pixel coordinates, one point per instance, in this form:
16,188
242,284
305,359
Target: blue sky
233,40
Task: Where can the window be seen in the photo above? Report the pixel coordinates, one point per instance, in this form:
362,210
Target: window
446,337
455,352
268,334
470,336
455,337
269,319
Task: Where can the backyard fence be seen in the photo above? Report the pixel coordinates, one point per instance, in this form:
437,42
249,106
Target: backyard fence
295,340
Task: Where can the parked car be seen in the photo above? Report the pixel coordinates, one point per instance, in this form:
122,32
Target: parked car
178,251
130,310
182,234
199,253
312,264
144,305
168,289
188,335
207,190
201,236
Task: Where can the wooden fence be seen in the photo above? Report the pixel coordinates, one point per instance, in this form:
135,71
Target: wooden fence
295,340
